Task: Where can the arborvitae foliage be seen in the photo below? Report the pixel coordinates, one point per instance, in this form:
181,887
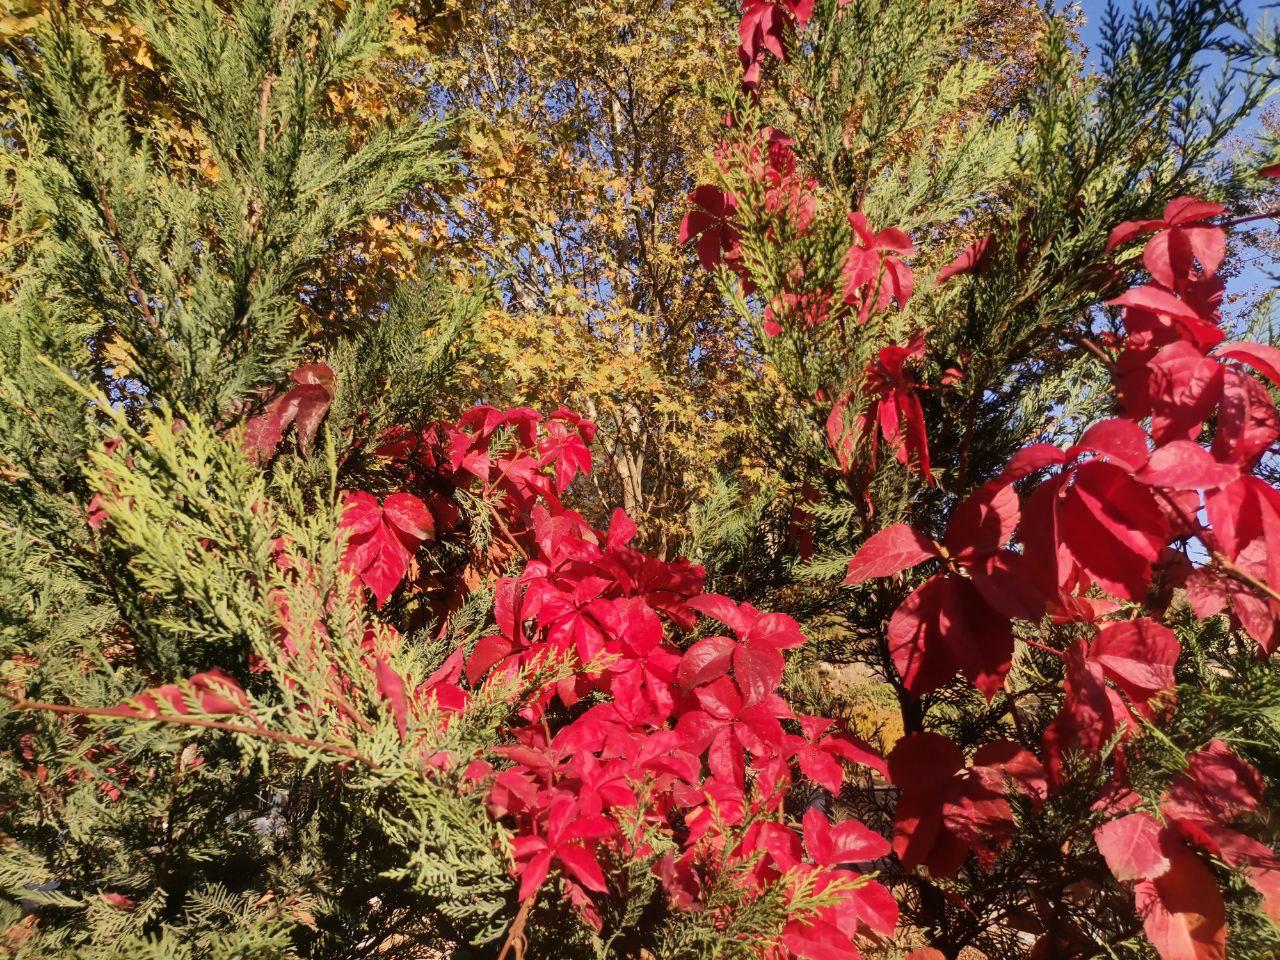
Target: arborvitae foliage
163,306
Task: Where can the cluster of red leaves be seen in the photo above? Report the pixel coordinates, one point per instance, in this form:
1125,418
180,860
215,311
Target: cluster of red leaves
302,406
890,384
766,25
644,746
509,460
947,808
1175,893
874,275
1089,542
691,747
382,538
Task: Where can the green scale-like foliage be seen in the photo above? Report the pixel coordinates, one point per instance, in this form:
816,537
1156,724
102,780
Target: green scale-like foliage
150,306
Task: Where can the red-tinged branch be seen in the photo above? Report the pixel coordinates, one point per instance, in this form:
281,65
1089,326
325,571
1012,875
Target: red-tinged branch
1267,215
1040,646
489,489
1102,356
515,941
1248,579
506,531
1220,559
114,713
138,293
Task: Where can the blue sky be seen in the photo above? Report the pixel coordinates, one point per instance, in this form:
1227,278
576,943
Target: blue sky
1254,275
1095,9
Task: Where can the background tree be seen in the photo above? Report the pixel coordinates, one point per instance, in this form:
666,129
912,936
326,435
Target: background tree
580,129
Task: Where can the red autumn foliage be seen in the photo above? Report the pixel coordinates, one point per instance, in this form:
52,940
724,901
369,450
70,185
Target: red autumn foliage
302,406
1104,523
1120,517
875,272
383,537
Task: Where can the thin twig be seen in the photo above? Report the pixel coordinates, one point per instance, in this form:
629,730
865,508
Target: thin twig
515,941
1268,215
264,100
138,293
114,713
1097,351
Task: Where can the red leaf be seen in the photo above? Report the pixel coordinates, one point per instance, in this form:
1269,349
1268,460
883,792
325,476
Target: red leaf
1085,723
315,389
889,551
978,813
822,768
977,809
212,691
714,223
1168,255
913,639
776,630
1184,210
1119,439
1129,229
758,670
409,516
1248,424
725,610
874,906
1218,788
1010,760
1185,465
533,873
853,750
1113,527
215,692
1235,515
583,866
945,627
1207,593
1138,656
921,765
707,660
845,842
488,651
1131,847
1183,386
382,539
303,405
1155,300
971,259
1007,583
1030,459
983,522
1182,910
391,689
924,762
1264,359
